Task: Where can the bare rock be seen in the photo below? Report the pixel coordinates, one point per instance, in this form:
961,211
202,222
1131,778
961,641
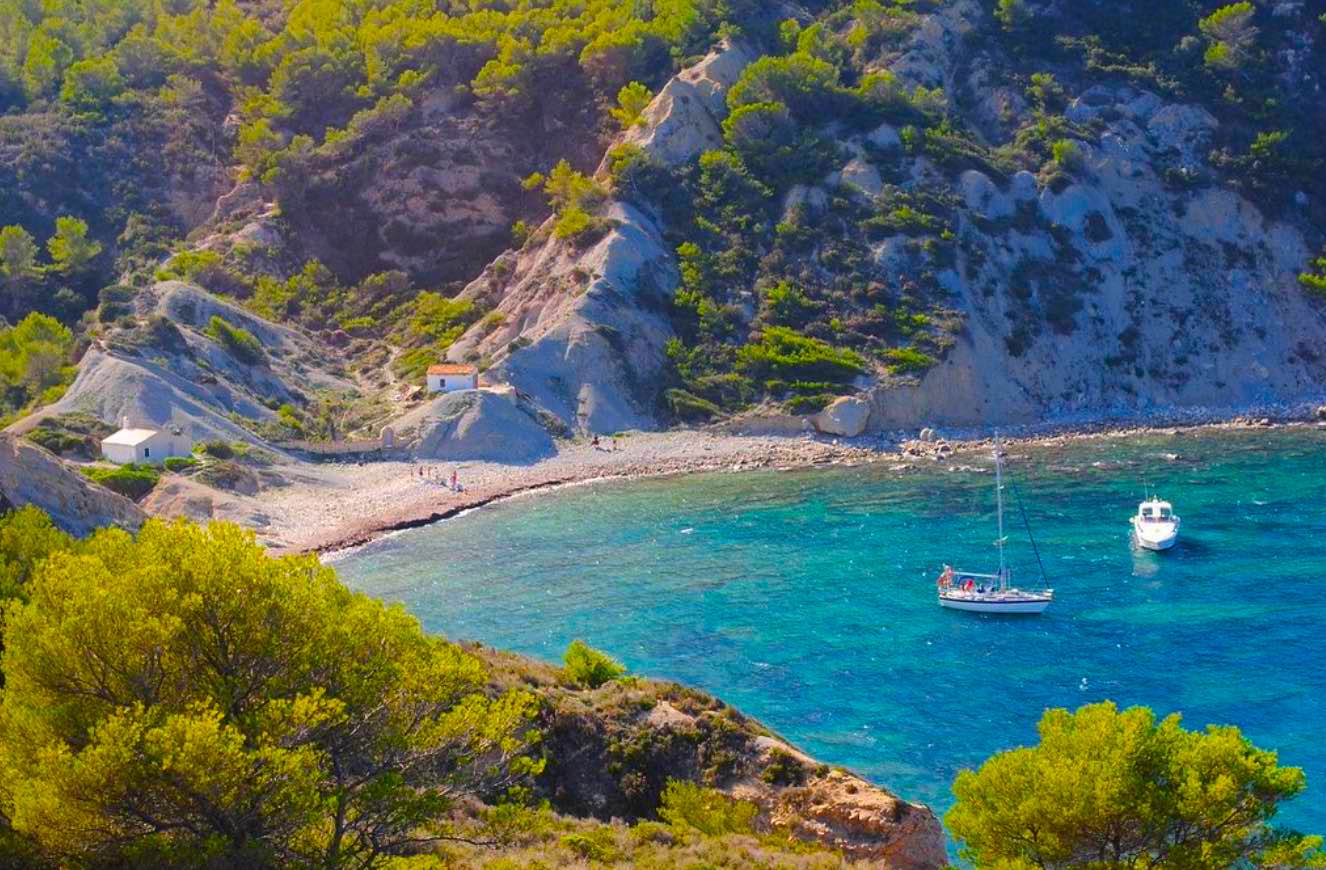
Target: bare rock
847,416
686,117
1185,129
491,425
983,197
864,177
30,475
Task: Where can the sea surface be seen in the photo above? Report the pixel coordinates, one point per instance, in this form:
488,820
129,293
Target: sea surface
807,598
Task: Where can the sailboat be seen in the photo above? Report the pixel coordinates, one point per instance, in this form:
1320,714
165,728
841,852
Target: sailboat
991,593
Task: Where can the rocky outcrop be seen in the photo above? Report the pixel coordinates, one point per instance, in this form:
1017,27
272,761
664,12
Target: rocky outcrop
30,475
686,117
168,371
493,425
612,750
847,416
581,331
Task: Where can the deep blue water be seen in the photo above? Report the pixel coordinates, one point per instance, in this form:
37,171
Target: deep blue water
807,598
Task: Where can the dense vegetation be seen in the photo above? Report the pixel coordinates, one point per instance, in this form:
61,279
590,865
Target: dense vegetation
180,698
88,83
1113,789
763,268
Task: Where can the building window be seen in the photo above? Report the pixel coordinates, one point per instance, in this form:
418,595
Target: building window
147,452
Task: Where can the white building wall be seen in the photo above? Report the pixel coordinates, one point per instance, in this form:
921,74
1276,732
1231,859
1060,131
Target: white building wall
120,454
450,383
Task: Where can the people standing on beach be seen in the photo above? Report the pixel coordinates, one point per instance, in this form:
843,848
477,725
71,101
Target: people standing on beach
455,481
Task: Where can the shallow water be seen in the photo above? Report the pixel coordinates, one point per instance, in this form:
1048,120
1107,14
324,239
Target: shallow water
807,598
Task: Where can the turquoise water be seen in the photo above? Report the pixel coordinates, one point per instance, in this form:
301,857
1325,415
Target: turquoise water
807,598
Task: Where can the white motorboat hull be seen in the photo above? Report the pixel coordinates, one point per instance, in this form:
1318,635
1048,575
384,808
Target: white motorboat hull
996,604
1156,540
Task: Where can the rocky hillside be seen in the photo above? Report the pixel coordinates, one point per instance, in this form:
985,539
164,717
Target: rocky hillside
954,213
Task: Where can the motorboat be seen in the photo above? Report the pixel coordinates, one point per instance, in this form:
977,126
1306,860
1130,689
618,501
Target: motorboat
1155,525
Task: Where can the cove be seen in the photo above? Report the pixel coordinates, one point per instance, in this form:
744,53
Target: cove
807,598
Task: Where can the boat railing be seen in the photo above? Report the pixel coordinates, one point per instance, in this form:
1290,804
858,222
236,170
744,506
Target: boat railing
974,576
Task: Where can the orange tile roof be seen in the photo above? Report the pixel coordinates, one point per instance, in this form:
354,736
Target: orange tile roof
452,369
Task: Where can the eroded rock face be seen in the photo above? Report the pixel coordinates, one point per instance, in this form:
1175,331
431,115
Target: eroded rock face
30,475
686,117
847,416
492,425
582,332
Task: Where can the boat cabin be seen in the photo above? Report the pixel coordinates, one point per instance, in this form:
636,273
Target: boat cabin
1156,512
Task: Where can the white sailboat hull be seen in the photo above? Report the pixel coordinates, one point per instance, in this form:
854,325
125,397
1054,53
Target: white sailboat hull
1010,601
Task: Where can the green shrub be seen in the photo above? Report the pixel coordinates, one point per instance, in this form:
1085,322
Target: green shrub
786,353
239,341
707,810
587,667
784,768
131,481
906,360
595,845
179,463
1067,155
1314,277
218,449
809,404
688,406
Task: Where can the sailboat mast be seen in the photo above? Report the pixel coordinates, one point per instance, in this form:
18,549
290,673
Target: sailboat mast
999,503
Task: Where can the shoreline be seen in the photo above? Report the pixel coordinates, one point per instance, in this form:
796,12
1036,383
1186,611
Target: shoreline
696,451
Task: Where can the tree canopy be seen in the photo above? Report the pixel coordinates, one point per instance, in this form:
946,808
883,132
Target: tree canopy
180,697
1116,789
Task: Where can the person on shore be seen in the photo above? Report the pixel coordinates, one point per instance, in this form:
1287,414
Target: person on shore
595,442
455,481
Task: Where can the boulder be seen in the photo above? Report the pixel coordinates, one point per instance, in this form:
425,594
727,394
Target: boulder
885,136
1023,186
1321,412
30,475
847,416
983,197
490,425
927,435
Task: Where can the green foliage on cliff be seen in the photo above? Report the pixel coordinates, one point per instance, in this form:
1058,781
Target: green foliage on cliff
1106,788
588,667
239,341
35,363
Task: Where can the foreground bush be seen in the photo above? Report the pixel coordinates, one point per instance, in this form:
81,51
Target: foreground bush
183,699
1114,789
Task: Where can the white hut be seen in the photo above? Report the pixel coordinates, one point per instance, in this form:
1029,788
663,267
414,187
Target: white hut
151,446
450,377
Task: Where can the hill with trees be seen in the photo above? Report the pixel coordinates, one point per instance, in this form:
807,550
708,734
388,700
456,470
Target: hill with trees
643,214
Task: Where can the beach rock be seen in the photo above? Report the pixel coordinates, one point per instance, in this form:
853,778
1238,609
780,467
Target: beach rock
1321,412
927,435
31,475
490,424
847,416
